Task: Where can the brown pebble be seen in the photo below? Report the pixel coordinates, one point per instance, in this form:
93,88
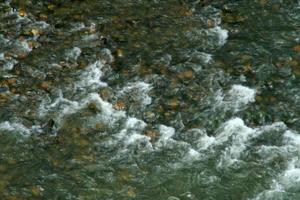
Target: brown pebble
93,107
297,48
22,13
83,142
174,103
37,191
11,81
296,72
119,105
258,98
43,17
131,192
78,17
35,32
105,94
263,2
51,7
100,126
188,74
13,90
45,85
152,134
120,53
211,23
22,38
22,55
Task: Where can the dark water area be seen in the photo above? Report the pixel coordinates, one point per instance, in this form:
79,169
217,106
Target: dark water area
164,100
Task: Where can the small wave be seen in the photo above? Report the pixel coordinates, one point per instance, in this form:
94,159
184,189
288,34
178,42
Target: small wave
138,91
288,181
73,54
236,98
90,77
14,127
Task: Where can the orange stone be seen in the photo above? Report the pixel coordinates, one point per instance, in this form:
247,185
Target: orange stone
297,48
119,105
45,85
11,81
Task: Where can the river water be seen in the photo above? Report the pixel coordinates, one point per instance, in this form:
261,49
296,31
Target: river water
164,100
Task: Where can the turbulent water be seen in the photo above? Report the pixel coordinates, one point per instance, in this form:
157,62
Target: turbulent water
150,100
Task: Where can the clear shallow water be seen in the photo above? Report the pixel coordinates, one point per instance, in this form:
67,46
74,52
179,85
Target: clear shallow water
149,100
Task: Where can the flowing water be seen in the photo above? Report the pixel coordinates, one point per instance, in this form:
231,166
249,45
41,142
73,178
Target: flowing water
150,100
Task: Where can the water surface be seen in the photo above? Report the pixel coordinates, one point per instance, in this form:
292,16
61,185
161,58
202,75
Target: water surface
165,100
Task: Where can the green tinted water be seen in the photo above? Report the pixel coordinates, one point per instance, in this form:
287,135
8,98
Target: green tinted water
149,100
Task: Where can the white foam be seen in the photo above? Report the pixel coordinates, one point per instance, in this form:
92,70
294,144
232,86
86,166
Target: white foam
272,193
270,153
25,46
238,134
235,125
206,57
291,138
133,129
2,56
108,56
65,107
14,127
134,123
166,134
131,137
90,77
289,179
222,34
77,26
9,65
90,37
205,142
241,95
236,98
73,54
192,155
42,24
139,91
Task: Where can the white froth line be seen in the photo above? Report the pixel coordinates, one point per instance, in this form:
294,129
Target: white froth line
74,53
205,142
131,135
235,125
70,107
137,85
8,126
143,89
192,155
289,178
77,26
207,58
292,138
238,134
242,93
42,24
25,46
91,76
221,33
166,135
271,193
2,56
236,98
134,123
